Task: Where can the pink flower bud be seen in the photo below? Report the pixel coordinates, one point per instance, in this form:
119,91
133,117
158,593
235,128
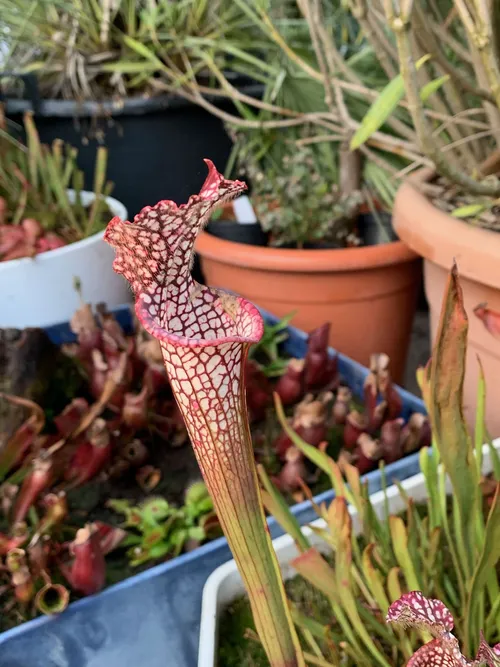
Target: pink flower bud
135,409
88,334
33,485
38,552
294,470
417,433
109,536
14,244
341,407
48,242
17,539
3,211
391,440
56,510
24,588
368,452
290,386
32,229
258,390
87,573
314,434
370,391
282,444
155,378
490,318
71,416
355,425
318,339
91,455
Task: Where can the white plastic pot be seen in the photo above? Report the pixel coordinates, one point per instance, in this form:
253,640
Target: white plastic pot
225,585
40,291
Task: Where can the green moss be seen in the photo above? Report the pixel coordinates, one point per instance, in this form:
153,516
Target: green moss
235,649
238,650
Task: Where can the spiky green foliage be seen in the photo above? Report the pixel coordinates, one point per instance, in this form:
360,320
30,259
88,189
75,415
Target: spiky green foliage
448,548
34,179
93,50
267,353
157,529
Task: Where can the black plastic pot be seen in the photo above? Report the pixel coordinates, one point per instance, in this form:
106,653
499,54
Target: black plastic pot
229,230
373,232
156,146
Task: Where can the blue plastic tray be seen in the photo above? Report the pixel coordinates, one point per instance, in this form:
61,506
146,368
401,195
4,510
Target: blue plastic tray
152,619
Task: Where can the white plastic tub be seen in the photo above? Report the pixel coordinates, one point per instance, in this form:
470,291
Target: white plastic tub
225,584
39,291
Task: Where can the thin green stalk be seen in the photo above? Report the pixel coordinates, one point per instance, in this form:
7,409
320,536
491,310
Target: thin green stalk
457,563
99,181
401,27
34,149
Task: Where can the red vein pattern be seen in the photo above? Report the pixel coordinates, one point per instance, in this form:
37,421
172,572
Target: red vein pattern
205,334
488,654
439,653
415,610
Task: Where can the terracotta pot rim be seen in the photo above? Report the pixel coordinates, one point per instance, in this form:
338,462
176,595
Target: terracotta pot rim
440,238
302,261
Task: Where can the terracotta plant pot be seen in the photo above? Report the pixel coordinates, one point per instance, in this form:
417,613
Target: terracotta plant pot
440,239
368,294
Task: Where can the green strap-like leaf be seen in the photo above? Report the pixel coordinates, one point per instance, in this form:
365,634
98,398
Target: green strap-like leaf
490,556
278,507
319,458
382,108
468,211
374,580
433,86
446,412
400,546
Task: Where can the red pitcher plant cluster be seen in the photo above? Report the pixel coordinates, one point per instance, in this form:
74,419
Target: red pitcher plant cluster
100,439
414,610
26,239
376,432
37,552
